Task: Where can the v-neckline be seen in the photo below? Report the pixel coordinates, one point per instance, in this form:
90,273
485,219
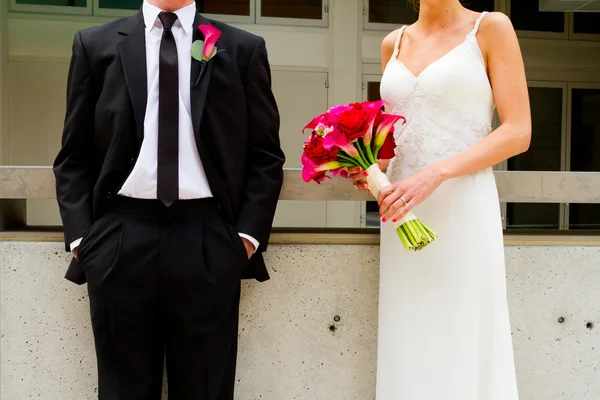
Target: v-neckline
417,76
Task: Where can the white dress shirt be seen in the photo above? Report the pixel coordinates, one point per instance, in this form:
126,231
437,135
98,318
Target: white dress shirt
142,182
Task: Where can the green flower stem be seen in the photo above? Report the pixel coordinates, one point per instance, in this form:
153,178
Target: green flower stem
415,235
348,159
361,156
370,157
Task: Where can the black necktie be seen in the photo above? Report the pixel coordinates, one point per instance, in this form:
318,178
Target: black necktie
168,114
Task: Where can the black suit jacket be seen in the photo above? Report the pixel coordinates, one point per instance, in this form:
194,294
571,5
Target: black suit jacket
235,119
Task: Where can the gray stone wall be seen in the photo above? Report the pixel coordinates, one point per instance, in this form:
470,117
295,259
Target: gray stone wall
309,333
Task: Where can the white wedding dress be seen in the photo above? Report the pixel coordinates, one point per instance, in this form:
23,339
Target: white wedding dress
444,329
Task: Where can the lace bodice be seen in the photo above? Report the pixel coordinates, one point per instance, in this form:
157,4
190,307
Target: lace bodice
448,107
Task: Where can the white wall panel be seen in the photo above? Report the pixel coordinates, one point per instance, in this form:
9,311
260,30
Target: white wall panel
300,96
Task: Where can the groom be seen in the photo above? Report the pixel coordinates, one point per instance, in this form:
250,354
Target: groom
167,183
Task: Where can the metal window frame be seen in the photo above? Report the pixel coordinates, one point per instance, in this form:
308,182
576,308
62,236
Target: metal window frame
46,9
580,36
499,5
115,12
569,120
323,22
563,211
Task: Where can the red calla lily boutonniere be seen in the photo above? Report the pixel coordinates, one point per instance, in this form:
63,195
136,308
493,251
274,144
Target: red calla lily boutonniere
204,50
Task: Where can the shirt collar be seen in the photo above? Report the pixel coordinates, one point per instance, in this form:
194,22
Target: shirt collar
185,16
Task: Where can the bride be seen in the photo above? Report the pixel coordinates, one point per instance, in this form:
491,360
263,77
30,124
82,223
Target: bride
444,329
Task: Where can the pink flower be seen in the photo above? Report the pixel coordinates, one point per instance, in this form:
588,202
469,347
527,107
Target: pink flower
384,128
311,171
337,139
211,35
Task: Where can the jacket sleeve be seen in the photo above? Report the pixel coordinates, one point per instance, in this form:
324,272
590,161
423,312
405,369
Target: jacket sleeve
73,167
266,159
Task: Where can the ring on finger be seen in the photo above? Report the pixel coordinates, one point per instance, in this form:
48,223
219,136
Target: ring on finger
404,201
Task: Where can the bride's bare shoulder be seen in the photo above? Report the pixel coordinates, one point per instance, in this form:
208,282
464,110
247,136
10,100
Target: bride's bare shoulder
496,23
388,42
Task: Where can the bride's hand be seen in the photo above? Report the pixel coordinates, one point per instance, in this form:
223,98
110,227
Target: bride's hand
358,176
396,200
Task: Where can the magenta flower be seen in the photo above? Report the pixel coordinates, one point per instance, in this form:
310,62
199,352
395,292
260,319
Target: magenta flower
206,47
313,171
384,128
339,140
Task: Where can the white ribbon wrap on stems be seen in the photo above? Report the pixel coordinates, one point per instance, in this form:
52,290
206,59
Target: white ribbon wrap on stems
377,180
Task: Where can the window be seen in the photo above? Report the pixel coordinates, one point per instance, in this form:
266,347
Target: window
586,22
391,12
224,7
63,3
401,12
545,154
220,7
120,4
292,12
80,7
305,9
525,16
585,151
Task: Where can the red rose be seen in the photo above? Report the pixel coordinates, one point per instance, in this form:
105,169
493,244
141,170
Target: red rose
353,123
315,151
388,148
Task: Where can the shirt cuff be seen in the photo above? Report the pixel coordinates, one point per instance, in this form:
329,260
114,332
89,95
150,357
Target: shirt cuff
251,239
74,245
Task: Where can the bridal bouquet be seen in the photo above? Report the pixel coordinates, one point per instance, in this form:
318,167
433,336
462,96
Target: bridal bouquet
357,135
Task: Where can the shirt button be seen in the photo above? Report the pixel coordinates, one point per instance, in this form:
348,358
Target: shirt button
108,195
132,161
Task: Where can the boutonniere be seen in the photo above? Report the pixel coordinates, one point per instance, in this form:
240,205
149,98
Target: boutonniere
205,50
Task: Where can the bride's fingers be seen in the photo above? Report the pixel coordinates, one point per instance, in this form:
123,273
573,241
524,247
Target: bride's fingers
382,196
389,199
410,204
361,186
393,210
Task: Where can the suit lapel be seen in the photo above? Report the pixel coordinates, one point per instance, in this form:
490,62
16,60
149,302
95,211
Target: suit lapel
133,57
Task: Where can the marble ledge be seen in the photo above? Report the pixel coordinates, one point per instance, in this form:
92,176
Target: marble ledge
513,186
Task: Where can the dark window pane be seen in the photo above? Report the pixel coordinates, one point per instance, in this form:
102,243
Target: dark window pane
373,91
586,22
224,7
525,16
584,216
401,12
303,9
544,153
391,12
532,216
479,5
585,151
65,3
585,130
121,4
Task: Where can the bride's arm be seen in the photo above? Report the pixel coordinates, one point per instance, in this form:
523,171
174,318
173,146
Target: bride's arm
507,77
506,71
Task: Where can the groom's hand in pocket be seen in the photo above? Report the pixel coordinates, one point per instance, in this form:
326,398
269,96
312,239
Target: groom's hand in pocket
249,247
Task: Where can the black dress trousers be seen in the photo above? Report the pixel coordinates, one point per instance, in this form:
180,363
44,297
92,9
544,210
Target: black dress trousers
164,280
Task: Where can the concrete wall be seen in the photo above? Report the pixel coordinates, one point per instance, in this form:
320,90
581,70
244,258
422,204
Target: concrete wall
288,348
